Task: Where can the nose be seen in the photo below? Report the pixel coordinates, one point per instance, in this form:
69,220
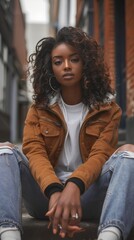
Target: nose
67,64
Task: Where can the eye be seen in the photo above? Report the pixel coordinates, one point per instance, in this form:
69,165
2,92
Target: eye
57,62
75,59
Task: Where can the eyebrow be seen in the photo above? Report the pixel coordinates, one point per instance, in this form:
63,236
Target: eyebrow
71,55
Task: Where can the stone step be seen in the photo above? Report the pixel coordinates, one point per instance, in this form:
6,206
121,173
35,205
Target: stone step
38,230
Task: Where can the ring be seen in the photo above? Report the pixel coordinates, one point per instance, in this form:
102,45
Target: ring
60,227
75,216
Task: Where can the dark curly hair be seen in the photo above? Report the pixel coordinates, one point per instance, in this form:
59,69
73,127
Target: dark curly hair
95,82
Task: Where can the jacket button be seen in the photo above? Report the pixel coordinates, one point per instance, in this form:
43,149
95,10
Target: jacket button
46,131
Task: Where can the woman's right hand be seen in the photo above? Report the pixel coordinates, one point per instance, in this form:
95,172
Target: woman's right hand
61,207
71,229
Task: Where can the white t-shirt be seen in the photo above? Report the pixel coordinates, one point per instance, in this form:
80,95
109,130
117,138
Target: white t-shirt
70,156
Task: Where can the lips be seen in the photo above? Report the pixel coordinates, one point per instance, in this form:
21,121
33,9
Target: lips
68,76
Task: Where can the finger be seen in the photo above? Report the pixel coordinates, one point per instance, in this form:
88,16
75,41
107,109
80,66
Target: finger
62,233
79,211
64,222
56,219
50,212
74,216
74,229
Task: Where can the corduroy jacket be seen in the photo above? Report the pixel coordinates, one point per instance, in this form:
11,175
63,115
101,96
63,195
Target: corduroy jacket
44,134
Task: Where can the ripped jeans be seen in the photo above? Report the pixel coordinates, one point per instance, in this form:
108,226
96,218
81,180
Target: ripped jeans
110,200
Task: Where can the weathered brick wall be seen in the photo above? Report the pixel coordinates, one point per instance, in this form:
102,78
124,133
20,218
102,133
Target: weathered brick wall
109,44
109,34
130,56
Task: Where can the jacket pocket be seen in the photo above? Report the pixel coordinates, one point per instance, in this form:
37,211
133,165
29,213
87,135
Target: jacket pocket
96,128
51,135
93,132
49,128
48,132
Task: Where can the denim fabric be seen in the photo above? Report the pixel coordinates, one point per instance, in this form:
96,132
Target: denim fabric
10,191
118,207
109,200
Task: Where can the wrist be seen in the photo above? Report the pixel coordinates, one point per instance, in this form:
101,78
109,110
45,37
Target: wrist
78,182
53,188
72,186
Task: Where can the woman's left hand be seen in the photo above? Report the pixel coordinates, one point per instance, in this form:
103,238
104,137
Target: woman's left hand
66,213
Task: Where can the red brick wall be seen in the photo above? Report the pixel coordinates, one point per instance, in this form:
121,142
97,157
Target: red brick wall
109,44
96,21
130,56
109,37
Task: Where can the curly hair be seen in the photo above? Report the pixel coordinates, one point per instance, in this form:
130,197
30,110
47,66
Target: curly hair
95,82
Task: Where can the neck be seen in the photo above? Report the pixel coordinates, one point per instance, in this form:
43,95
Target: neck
71,96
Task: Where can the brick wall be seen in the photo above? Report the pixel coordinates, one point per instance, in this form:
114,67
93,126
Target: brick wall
118,41
129,5
130,56
109,44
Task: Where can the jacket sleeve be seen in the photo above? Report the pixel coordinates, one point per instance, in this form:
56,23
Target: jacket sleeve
101,150
34,148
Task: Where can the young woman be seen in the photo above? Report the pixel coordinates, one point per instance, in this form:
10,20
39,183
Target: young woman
70,132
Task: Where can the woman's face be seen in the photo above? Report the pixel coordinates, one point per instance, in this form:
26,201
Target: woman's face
67,65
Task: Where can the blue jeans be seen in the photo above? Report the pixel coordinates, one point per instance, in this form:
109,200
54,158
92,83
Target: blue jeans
110,200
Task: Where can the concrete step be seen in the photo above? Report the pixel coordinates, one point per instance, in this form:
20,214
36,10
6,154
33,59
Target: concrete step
38,230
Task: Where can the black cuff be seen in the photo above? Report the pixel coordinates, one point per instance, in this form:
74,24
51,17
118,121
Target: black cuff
78,182
52,188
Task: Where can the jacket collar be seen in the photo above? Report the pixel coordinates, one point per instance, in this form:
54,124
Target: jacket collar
55,99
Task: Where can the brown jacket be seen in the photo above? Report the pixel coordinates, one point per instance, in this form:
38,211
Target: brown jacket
44,134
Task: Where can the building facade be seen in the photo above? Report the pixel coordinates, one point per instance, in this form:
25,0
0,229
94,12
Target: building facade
62,13
111,23
112,26
13,94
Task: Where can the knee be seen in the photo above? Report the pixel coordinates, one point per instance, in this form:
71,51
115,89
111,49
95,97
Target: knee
6,144
127,163
126,147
